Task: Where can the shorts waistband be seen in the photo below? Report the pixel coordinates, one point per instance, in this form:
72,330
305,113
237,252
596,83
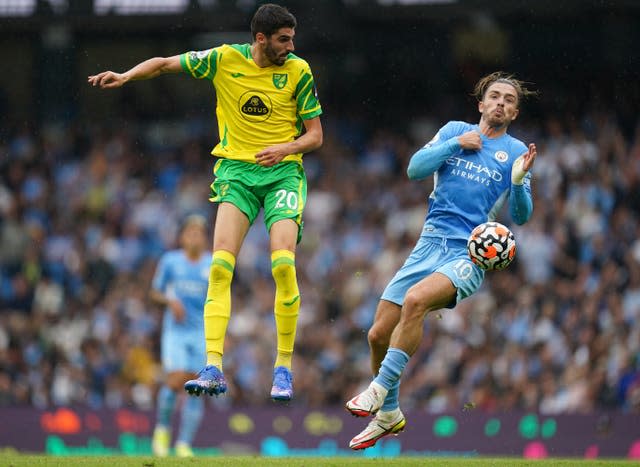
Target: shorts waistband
445,242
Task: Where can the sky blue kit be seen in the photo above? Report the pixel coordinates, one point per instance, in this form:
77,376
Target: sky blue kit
470,187
183,343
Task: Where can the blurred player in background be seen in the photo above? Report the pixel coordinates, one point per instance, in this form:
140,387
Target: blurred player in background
476,168
180,285
268,116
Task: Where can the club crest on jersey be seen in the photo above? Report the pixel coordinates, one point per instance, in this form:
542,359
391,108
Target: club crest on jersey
501,156
280,80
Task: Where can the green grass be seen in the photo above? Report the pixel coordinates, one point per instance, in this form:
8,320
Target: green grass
15,459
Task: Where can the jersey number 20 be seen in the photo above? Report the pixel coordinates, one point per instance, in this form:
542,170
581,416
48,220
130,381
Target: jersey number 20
289,198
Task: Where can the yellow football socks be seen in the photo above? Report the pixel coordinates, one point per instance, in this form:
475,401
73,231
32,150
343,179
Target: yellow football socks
287,303
217,307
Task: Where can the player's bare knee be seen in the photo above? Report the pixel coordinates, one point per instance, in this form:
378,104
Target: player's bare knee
378,336
415,306
175,381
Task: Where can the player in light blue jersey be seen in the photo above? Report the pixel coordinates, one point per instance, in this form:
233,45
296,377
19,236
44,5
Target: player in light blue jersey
180,285
476,168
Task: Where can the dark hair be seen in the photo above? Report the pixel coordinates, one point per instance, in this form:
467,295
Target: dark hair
501,77
269,18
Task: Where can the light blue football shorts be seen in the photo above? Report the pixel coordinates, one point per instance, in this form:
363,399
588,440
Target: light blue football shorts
182,351
436,254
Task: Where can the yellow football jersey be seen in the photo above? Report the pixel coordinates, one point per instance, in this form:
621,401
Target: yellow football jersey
256,107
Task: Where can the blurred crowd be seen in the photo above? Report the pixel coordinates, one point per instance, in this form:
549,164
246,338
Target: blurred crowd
86,210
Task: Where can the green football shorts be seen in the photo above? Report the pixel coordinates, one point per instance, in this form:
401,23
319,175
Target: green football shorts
281,190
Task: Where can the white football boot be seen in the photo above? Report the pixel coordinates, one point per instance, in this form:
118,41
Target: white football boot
368,402
384,423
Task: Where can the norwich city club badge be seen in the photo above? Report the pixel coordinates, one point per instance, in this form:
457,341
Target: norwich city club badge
280,80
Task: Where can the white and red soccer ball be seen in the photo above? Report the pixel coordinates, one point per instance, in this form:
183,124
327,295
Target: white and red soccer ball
491,246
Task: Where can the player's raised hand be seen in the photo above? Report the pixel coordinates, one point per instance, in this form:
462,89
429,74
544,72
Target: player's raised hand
529,157
107,80
523,164
470,140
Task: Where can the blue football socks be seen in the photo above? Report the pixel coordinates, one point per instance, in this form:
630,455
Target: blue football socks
391,368
391,402
192,412
166,402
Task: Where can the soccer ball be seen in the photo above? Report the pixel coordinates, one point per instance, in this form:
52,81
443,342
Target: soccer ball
491,246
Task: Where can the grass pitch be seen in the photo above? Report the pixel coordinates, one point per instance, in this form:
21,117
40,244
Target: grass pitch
19,460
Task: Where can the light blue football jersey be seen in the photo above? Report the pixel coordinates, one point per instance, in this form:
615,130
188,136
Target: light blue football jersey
177,276
471,186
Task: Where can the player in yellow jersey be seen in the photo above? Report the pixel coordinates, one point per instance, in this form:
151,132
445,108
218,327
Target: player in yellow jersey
268,116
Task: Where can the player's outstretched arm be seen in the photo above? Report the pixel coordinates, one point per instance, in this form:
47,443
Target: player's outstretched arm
146,70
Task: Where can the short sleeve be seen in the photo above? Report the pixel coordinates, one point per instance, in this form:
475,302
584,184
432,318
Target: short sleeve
161,276
201,65
307,103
